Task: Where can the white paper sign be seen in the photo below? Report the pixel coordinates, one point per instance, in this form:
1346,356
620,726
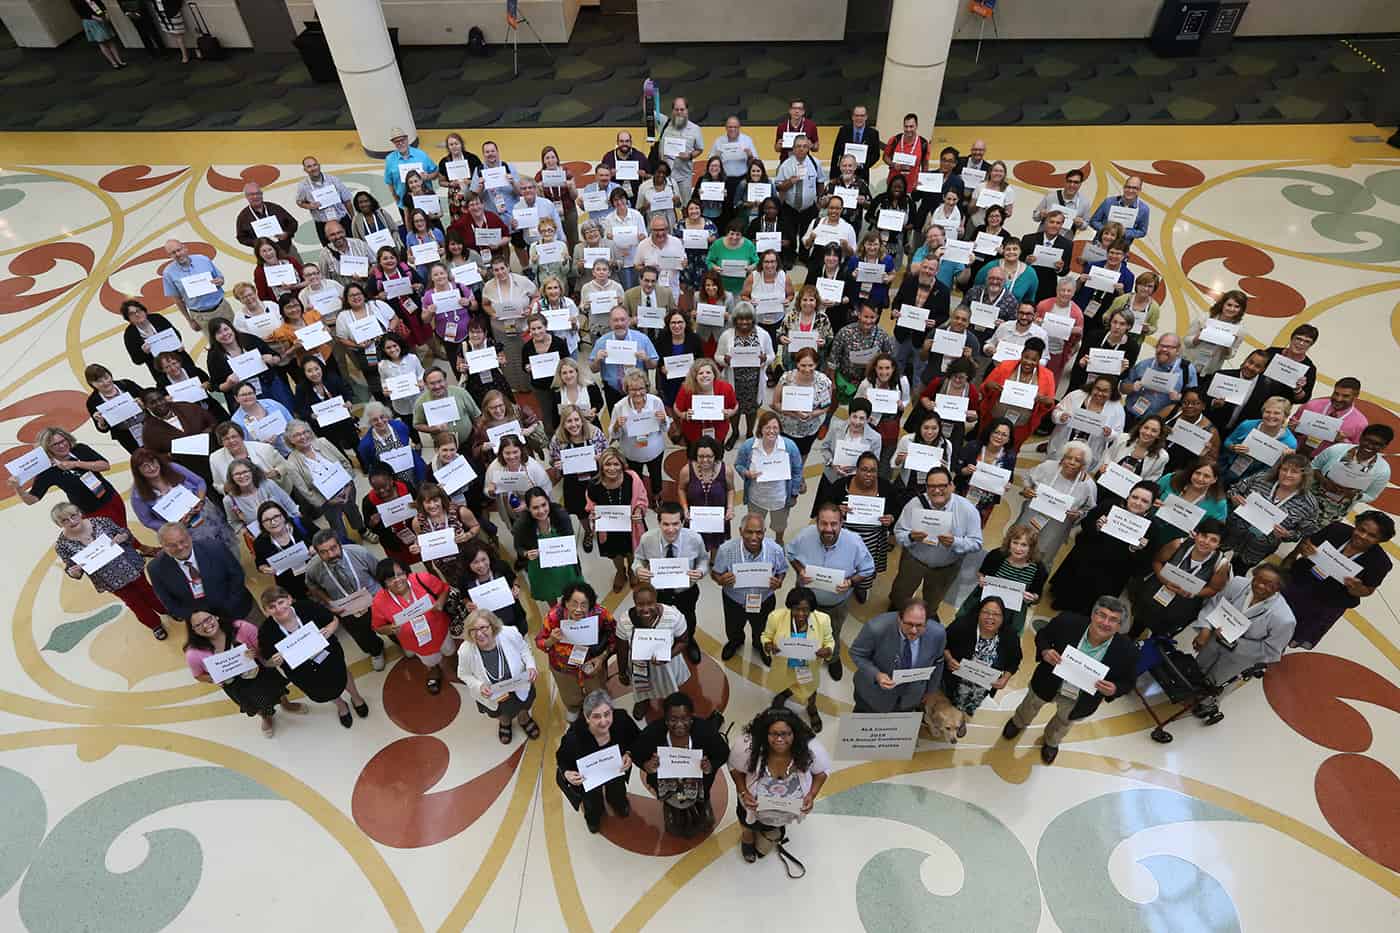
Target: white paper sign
1052,503
771,467
923,457
1220,333
825,578
990,479
977,673
439,411
578,460
1158,380
1127,216
1319,427
878,736
1333,563
669,573
865,510
98,554
175,504
1229,621
561,551
1047,257
949,343
1190,436
1011,593
711,315
229,664
267,226
435,544
422,254
797,648
194,445
933,522
544,365
247,365
951,407
759,191
1079,670
1018,394
600,767
985,315
650,644
284,273
1261,513
830,290
911,675
1125,526
29,465
612,518
706,407
121,407
1102,279
1264,448
1179,513
329,480
493,595
397,510
1230,389
454,475
986,244
707,518
752,575
198,285
678,762
622,352
884,401
305,643
1119,480
1107,362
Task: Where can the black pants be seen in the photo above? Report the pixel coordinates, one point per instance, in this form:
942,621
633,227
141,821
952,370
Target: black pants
360,630
591,802
736,620
613,396
685,601
804,444
658,474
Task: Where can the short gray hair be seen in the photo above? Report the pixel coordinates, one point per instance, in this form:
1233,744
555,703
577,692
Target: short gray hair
1113,604
594,700
371,410
322,536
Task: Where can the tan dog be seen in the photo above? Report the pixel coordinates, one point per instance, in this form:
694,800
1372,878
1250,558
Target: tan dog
942,719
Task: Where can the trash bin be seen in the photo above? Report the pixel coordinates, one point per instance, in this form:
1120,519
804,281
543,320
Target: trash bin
316,51
1181,27
1220,34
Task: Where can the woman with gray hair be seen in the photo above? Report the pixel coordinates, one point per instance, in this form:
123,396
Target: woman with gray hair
498,670
585,786
744,376
1287,487
323,473
246,487
119,571
1057,495
388,440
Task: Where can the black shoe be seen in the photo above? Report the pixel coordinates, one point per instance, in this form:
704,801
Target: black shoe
729,650
763,656
780,699
1048,753
159,633
594,825
345,719
1010,730
861,595
620,807
835,669
692,651
362,710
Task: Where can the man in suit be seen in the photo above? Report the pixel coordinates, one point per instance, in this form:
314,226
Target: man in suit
893,642
189,576
649,295
1096,636
167,420
1046,276
860,133
1225,415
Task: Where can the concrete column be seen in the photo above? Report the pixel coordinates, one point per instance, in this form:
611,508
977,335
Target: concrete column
359,41
916,55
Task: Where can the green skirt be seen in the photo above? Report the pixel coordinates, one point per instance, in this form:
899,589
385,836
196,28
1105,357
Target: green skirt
547,583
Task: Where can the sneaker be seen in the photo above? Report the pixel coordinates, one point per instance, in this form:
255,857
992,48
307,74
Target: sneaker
369,537
377,661
159,633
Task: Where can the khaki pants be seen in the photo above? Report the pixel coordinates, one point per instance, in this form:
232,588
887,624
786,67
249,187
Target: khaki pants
572,690
913,573
202,318
1058,725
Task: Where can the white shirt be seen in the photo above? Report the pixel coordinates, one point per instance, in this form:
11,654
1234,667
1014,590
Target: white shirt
734,153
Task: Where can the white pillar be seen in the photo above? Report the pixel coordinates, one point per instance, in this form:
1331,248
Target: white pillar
916,55
369,75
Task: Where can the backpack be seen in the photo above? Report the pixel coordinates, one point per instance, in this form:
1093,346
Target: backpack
476,43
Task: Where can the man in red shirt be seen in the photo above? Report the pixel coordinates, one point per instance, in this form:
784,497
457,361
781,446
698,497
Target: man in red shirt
907,153
796,123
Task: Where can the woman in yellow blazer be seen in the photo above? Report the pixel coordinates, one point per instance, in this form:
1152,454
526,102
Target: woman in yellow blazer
801,636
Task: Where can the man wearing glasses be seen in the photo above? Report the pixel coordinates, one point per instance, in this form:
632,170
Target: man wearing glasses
935,529
1116,207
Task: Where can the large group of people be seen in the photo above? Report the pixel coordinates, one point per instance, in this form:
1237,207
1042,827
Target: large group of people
416,433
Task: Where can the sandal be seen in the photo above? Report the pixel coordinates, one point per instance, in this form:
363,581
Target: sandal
505,733
749,852
588,541
619,582
434,685
532,729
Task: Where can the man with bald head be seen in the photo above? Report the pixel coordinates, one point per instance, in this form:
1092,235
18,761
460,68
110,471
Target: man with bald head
747,606
681,141
1119,207
195,283
339,245
262,218
189,575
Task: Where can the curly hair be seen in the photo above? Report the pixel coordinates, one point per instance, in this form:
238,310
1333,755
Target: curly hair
757,732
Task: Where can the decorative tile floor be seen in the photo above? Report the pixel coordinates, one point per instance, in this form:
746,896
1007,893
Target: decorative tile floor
132,799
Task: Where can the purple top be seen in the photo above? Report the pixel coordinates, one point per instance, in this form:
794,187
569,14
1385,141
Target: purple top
459,316
146,514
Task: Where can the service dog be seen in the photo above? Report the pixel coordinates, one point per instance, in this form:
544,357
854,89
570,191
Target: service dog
942,719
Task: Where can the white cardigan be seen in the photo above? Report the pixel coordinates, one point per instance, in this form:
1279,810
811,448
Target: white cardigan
473,672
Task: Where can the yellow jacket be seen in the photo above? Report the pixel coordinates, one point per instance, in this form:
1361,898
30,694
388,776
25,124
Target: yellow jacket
818,625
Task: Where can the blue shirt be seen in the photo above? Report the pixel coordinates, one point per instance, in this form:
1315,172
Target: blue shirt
391,168
744,458
947,271
174,272
734,552
1185,378
849,555
612,372
967,532
1139,227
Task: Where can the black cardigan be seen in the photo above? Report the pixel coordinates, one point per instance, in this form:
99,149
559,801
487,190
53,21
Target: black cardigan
132,339
120,435
703,736
578,742
962,641
1065,630
219,369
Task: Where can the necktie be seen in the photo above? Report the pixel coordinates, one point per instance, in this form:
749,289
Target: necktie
860,132
338,571
193,572
906,654
670,550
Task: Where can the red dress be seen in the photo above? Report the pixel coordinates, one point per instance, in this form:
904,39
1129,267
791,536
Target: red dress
694,430
386,605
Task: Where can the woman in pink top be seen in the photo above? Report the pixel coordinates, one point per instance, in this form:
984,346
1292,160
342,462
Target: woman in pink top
259,690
